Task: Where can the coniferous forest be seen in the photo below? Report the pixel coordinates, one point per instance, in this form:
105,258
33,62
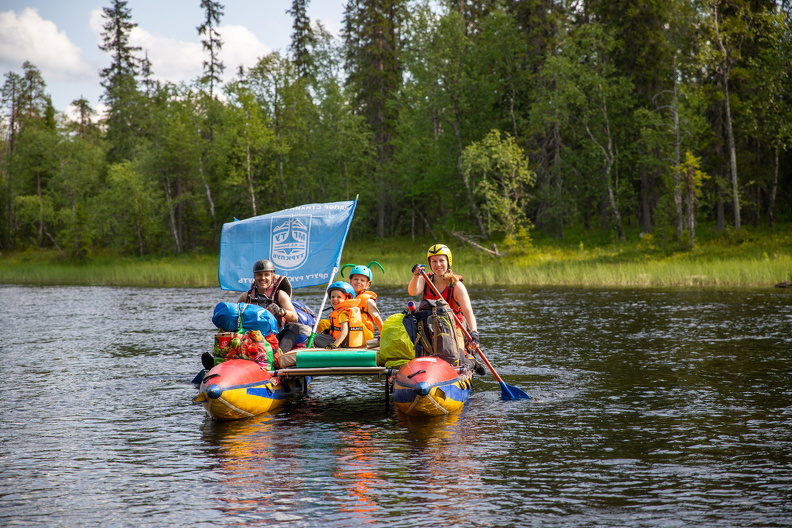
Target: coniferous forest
493,118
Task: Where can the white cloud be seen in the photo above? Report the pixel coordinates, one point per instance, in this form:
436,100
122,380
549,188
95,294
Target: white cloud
25,36
171,59
175,60
241,47
95,22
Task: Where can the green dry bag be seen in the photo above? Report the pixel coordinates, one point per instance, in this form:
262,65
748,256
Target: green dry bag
396,348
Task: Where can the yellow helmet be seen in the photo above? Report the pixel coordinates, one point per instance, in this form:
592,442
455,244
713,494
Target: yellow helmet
439,249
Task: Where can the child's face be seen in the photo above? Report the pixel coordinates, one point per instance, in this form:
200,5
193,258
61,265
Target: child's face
336,297
359,282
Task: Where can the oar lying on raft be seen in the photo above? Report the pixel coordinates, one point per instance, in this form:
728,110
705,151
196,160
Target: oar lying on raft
508,392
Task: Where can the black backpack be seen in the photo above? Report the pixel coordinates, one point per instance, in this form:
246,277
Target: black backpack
433,331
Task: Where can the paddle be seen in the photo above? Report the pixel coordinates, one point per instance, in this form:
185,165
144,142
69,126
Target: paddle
508,392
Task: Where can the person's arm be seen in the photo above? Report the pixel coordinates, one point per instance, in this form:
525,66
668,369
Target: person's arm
463,300
372,309
342,334
416,284
243,298
285,302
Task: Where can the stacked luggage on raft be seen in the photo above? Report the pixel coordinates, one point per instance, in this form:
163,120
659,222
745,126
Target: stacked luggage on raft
420,354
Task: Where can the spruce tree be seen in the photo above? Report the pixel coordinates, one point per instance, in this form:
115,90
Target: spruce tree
120,81
374,62
212,43
302,39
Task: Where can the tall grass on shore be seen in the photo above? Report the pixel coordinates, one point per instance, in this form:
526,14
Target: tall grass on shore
721,272
726,272
760,259
192,271
752,260
203,273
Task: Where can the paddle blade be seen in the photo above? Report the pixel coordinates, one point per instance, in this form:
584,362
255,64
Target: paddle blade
509,392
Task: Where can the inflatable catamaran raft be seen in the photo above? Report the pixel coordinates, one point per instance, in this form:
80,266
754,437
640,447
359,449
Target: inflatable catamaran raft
424,386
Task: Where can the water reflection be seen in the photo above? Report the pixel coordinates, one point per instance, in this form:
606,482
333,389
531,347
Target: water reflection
350,468
428,431
663,407
244,450
442,467
356,473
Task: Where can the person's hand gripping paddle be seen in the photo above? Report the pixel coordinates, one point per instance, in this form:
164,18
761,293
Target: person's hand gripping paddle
508,392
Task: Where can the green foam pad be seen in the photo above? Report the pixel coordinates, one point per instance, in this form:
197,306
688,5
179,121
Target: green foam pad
336,358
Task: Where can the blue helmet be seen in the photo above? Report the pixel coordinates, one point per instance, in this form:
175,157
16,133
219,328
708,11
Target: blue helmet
361,269
343,286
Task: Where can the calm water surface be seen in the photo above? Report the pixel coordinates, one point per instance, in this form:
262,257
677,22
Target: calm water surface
668,408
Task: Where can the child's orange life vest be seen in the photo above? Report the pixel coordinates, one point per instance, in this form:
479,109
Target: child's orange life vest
355,337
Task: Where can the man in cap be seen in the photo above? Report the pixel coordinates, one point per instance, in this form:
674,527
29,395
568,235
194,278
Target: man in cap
271,291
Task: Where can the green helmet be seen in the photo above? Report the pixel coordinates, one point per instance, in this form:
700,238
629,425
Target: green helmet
361,269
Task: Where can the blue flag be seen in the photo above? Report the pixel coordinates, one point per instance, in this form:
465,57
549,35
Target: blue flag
304,243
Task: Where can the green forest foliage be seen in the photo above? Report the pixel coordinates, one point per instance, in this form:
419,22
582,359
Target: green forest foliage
488,118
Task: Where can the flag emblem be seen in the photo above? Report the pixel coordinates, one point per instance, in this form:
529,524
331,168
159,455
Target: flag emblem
290,237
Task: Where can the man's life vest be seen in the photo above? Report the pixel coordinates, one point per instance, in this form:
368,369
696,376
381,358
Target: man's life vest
270,295
355,337
279,283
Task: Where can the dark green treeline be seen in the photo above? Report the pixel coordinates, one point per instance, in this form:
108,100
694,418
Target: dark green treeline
489,118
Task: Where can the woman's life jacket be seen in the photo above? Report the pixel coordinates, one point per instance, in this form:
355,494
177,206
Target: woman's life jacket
355,337
447,294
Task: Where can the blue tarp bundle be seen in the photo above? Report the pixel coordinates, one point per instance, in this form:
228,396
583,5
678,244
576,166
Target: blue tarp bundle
229,317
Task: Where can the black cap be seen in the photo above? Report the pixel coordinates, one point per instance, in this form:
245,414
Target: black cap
263,265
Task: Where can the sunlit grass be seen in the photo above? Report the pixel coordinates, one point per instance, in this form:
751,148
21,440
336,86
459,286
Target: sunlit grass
44,269
731,272
752,259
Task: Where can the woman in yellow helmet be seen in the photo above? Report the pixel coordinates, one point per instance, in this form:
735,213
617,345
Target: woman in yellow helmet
448,284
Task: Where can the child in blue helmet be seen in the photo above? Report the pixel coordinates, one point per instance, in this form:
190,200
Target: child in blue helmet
346,322
360,278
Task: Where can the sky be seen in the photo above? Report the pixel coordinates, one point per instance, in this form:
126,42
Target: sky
61,38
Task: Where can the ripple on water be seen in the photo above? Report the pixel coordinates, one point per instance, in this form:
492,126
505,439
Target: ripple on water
651,408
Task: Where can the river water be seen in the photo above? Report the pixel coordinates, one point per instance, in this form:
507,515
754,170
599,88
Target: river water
668,408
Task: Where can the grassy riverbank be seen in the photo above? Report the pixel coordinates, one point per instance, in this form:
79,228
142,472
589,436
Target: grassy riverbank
753,258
